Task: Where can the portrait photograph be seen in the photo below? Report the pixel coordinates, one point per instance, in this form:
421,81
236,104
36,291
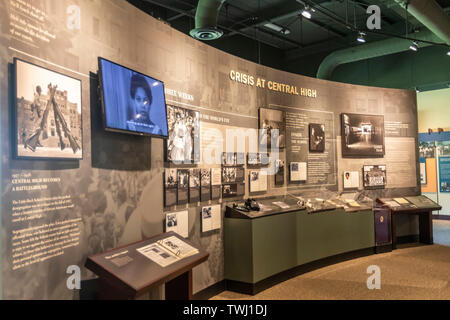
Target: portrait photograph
48,114
316,137
362,135
183,145
194,178
183,178
171,178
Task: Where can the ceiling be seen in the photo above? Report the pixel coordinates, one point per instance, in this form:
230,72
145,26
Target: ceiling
332,26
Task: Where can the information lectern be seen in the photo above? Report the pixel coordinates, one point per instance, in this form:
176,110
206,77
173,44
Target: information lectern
130,271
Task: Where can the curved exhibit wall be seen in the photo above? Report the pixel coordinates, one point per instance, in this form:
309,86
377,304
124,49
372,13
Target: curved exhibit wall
57,212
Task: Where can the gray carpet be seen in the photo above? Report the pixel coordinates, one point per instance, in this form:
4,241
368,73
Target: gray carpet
412,271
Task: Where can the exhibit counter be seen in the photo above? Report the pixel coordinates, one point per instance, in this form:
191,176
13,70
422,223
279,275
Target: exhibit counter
260,248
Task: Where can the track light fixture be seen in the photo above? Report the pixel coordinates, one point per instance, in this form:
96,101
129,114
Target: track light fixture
414,46
306,12
277,28
361,37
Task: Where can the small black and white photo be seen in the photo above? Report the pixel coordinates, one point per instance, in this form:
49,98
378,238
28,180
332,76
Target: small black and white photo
48,113
229,158
206,212
171,220
171,178
183,145
316,137
194,178
205,177
228,175
254,175
253,159
183,178
374,177
229,190
362,135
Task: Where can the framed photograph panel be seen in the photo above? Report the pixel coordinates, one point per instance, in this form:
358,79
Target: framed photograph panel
362,135
272,127
374,177
47,114
183,145
316,137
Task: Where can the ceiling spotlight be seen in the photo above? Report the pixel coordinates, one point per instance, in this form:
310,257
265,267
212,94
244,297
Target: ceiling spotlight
414,46
417,90
306,12
361,37
448,53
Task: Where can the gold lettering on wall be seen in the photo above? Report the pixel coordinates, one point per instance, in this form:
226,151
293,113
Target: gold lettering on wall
250,80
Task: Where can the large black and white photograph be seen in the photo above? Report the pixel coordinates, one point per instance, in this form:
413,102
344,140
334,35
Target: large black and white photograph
272,127
183,145
362,135
316,137
374,177
48,114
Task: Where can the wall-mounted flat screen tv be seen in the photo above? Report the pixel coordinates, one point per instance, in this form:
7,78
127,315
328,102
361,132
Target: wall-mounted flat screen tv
132,102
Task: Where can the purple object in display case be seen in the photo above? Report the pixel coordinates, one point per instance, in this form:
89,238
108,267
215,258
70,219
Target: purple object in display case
382,216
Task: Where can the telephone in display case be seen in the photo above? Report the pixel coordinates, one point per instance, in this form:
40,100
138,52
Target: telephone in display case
251,204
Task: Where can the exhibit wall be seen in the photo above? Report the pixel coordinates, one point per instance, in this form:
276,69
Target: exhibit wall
109,191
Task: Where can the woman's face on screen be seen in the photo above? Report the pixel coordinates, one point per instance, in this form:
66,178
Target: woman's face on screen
141,101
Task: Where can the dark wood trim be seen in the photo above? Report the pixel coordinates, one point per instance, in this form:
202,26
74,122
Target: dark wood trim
383,248
254,288
412,238
440,217
211,291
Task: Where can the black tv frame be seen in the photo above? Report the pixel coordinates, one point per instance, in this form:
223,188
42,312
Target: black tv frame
102,98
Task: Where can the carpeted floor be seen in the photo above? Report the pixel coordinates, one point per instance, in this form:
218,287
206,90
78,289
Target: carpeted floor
411,272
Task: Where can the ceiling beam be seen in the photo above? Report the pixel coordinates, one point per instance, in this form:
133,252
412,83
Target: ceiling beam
289,12
191,15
